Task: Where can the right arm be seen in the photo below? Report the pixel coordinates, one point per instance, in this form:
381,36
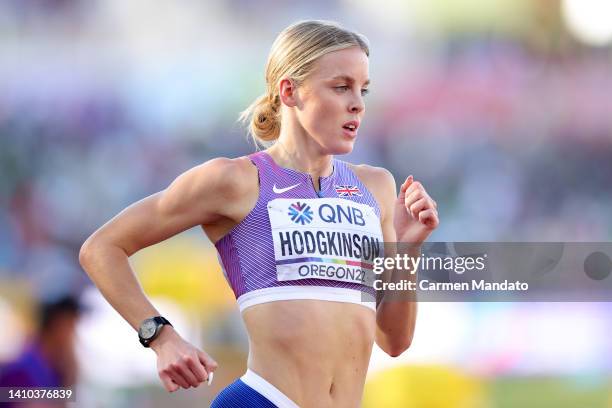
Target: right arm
203,195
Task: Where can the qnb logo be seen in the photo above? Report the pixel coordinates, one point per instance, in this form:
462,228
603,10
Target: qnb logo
300,213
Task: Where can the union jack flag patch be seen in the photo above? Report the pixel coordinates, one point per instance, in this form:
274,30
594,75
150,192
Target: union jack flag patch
348,191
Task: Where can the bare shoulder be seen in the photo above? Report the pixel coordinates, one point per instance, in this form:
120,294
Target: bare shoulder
224,175
377,179
234,175
212,185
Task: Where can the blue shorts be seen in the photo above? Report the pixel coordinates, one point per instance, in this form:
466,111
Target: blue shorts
252,391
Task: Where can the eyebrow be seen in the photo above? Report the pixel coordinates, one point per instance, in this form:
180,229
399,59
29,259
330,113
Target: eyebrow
349,79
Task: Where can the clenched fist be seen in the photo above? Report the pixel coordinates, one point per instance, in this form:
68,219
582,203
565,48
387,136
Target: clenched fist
179,363
416,213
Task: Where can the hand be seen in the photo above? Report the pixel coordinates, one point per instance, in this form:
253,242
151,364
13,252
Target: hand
416,213
179,363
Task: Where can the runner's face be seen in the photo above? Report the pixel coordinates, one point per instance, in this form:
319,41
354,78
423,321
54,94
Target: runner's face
332,95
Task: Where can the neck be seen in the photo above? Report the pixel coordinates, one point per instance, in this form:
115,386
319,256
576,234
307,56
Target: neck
297,150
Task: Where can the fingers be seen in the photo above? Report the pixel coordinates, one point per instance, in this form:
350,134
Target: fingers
416,199
429,218
418,203
188,371
169,385
177,376
174,374
416,196
413,197
412,190
197,368
210,364
415,208
405,185
185,372
407,182
414,186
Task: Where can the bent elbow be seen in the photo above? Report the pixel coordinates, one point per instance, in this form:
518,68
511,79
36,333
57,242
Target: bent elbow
90,251
396,350
85,253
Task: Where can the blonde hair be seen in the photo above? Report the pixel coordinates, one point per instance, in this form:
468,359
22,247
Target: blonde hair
292,55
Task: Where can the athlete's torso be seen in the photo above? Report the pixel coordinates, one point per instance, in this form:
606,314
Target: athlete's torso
315,351
298,243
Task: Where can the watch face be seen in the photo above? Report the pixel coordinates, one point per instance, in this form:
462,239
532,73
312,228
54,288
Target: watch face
147,330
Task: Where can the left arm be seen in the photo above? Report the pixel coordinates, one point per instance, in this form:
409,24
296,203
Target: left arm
408,217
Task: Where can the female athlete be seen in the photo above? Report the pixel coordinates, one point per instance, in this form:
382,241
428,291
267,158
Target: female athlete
293,226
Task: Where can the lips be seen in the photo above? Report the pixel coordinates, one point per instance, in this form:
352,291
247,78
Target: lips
350,129
352,125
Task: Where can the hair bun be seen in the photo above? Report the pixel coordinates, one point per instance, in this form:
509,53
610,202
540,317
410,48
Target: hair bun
266,123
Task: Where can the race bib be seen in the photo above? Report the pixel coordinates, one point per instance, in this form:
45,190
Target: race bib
324,238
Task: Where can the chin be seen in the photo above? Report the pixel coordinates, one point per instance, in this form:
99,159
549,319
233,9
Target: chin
342,148
337,145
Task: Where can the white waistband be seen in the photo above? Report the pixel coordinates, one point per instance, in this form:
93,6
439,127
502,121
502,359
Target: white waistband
266,389
275,293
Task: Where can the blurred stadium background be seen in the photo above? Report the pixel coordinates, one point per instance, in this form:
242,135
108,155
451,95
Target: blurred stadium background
503,108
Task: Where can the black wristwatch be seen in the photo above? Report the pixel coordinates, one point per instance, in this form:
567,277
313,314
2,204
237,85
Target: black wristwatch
150,328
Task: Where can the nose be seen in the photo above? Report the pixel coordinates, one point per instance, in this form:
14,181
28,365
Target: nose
357,105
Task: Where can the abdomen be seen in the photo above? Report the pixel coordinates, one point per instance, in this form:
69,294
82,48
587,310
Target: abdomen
312,350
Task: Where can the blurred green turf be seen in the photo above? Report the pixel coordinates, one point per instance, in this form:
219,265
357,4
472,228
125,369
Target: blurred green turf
534,392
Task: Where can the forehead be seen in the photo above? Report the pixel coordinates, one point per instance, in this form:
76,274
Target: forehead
350,62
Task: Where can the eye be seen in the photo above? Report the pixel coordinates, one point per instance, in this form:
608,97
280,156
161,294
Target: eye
364,92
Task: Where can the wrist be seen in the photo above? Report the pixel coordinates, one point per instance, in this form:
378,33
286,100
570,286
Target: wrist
150,329
166,333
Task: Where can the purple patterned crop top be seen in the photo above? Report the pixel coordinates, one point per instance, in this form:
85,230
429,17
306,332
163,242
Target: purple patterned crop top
299,244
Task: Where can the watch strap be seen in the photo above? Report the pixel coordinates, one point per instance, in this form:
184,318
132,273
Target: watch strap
160,321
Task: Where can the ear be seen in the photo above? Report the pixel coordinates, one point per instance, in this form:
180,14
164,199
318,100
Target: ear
288,92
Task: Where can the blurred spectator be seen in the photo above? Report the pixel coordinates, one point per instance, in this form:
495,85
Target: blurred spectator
48,358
